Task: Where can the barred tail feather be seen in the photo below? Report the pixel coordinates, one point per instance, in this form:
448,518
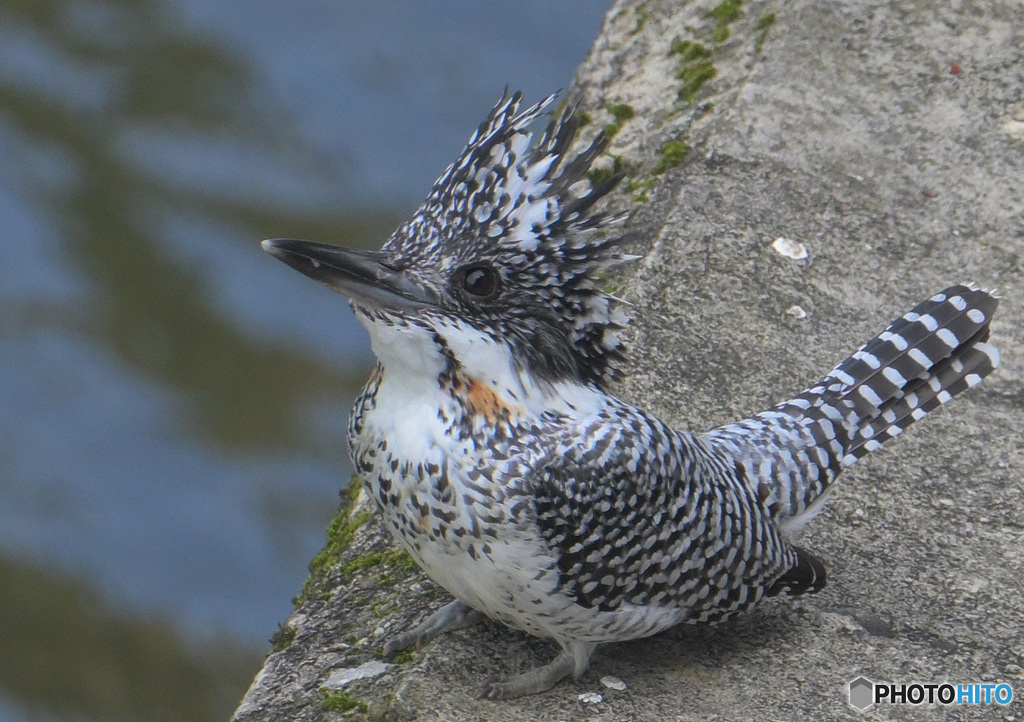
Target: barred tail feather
925,358
915,347
922,360
925,394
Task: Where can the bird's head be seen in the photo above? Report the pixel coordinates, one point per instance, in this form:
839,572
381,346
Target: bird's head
504,257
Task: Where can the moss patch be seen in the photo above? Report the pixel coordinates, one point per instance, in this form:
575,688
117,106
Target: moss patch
384,608
688,50
403,657
762,26
621,112
601,175
673,153
640,191
694,75
339,535
641,18
341,702
695,67
282,638
723,14
695,64
394,558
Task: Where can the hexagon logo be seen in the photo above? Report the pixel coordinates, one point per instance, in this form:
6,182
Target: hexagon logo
862,693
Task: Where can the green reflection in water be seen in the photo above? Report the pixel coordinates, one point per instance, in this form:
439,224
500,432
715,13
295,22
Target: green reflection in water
154,78
64,651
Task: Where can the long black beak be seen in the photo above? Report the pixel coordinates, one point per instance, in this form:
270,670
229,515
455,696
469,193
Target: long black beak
360,275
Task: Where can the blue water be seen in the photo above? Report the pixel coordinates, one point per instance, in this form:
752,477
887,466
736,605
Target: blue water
172,401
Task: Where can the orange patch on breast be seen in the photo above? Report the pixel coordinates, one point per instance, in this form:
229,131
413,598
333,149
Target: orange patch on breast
482,399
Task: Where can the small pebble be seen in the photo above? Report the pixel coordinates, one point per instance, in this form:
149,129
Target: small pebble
790,248
591,698
613,683
1015,126
796,311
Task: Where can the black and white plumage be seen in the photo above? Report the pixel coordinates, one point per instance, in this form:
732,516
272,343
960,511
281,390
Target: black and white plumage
488,441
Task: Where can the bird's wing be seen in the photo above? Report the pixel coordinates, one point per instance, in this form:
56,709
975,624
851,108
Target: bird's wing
638,514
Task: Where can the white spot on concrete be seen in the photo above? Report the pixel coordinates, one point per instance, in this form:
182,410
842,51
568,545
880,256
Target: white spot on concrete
341,677
1014,128
796,311
789,248
613,683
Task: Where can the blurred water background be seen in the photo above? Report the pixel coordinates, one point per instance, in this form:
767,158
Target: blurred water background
172,400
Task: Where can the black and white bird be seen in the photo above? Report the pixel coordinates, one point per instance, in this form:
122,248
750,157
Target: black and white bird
489,442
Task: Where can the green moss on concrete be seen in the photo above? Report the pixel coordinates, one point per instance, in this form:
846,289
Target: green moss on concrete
695,58
641,18
403,657
688,50
723,14
762,26
282,638
341,702
695,67
640,191
673,153
600,175
383,608
694,75
621,112
393,559
339,536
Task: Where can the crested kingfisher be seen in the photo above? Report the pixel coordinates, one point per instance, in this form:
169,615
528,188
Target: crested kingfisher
489,442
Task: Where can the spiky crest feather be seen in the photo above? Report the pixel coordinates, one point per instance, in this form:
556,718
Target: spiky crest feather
527,208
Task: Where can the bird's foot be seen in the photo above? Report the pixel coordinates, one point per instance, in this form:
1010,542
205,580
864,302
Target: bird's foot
538,679
452,616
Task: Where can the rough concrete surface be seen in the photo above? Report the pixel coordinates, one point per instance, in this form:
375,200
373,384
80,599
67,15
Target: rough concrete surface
888,138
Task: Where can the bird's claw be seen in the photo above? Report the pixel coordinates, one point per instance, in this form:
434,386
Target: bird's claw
404,641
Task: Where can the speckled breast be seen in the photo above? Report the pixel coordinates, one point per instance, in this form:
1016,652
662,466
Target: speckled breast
444,475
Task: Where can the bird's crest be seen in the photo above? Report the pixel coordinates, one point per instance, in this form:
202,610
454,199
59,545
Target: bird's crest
526,207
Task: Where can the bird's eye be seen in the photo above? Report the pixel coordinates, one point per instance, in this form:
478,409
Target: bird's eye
480,281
